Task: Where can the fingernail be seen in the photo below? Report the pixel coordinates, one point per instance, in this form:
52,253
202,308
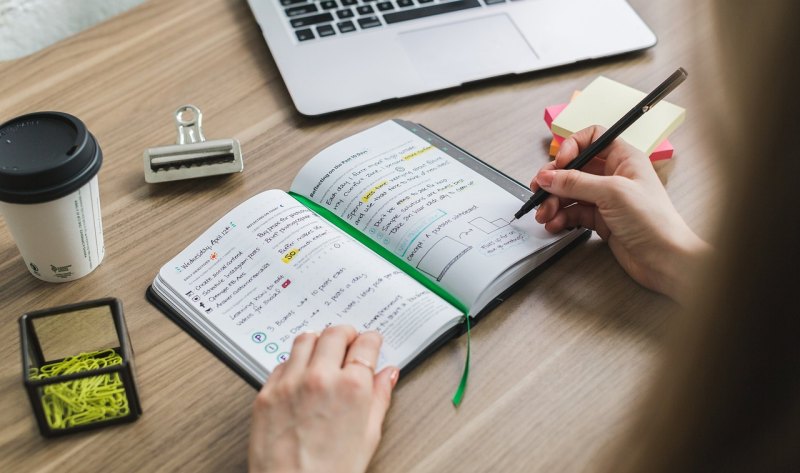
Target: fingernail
394,376
545,178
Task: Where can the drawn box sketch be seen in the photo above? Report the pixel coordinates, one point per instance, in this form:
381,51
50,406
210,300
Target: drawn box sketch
488,227
437,260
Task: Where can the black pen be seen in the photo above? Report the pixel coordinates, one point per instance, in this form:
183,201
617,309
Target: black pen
611,134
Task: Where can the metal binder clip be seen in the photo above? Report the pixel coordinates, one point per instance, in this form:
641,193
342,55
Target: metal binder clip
192,156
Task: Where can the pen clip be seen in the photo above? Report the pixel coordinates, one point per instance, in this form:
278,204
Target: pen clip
664,88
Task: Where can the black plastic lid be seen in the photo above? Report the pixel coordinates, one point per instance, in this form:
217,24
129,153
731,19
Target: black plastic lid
45,156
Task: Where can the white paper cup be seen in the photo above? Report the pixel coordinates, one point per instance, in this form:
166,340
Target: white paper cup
49,196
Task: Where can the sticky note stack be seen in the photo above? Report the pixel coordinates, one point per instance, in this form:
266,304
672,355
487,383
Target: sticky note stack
605,101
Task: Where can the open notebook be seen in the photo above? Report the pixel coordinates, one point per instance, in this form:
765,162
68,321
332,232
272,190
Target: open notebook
393,229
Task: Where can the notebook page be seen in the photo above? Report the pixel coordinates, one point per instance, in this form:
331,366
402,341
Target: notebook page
271,269
443,218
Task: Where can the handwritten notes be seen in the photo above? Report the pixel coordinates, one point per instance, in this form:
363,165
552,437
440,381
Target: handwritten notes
276,266
440,216
272,269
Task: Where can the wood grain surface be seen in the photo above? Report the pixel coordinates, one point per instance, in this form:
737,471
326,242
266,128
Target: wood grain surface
557,369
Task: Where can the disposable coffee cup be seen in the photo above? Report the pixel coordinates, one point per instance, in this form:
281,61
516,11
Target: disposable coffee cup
49,197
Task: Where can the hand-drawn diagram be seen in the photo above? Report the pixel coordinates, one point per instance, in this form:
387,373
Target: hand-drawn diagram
443,254
488,227
413,233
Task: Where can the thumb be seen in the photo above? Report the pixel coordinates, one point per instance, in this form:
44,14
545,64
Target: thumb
574,184
384,384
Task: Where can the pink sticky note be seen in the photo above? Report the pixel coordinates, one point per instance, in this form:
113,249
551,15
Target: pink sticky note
662,151
551,112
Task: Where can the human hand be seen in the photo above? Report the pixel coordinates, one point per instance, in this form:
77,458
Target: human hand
322,409
619,195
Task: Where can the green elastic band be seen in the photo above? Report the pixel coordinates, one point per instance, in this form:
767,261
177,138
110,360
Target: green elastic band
403,266
462,386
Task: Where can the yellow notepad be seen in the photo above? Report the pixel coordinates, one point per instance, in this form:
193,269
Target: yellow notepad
605,101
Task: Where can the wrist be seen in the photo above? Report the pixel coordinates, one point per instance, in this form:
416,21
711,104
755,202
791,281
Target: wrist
685,252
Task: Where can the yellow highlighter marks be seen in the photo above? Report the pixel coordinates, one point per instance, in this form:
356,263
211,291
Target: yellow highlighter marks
290,254
413,155
365,198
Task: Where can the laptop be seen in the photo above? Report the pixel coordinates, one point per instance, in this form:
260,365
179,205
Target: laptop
339,54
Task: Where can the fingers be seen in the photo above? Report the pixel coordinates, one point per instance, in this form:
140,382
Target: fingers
571,217
577,185
550,206
576,196
326,400
332,346
302,348
547,167
613,155
621,152
568,151
338,347
383,385
547,209
572,146
276,375
578,216
363,353
595,166
599,181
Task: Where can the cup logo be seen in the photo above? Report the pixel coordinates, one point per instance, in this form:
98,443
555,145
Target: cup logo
62,272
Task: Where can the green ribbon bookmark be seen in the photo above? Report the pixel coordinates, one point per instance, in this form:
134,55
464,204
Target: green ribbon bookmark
402,265
462,386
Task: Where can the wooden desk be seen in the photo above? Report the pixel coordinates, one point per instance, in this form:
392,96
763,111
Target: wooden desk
556,368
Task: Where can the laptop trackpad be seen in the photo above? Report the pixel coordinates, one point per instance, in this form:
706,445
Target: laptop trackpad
468,50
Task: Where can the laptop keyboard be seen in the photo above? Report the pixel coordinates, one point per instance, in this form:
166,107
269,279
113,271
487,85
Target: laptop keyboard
312,19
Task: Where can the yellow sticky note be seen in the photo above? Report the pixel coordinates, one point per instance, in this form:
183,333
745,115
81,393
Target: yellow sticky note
605,101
